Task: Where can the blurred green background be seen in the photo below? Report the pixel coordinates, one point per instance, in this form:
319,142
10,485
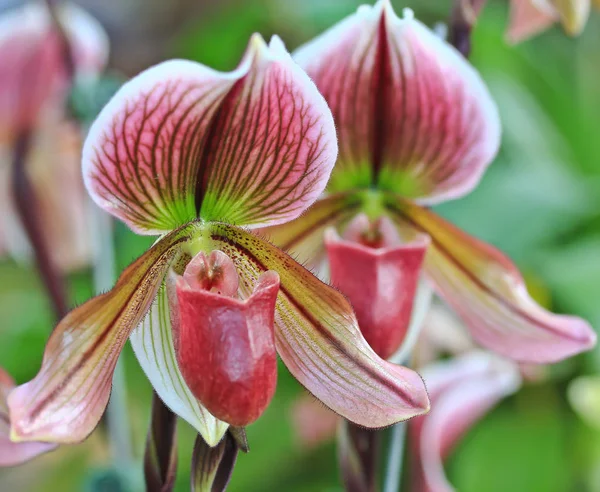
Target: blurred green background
539,202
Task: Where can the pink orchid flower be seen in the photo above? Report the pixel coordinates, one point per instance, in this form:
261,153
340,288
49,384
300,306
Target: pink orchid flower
201,157
531,17
33,91
417,126
462,390
12,453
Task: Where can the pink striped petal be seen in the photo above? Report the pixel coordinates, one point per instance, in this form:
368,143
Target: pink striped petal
66,399
253,147
13,453
380,282
413,116
488,292
462,391
318,339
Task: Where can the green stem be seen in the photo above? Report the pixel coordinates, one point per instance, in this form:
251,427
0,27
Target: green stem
393,475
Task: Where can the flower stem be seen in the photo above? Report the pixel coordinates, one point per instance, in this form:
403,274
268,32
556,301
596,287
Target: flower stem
104,278
26,206
393,473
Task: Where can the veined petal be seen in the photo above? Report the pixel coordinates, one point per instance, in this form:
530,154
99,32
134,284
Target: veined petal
303,237
413,116
66,399
317,336
152,343
14,453
488,292
142,155
274,144
254,146
528,18
462,391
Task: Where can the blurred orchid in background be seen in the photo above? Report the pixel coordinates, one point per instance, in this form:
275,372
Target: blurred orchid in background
199,157
531,17
34,85
417,127
462,390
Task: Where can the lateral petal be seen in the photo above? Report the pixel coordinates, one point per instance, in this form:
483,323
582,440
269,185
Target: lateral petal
317,336
152,343
66,399
414,117
14,453
487,291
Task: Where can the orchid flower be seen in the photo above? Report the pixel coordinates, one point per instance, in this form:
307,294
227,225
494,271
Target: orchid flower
462,390
199,158
530,17
33,85
417,127
12,453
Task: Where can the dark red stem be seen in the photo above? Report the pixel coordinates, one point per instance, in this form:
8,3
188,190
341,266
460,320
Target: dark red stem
26,205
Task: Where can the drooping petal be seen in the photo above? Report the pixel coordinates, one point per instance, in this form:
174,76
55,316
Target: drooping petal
152,343
160,456
462,391
381,284
413,116
303,237
225,346
254,146
528,18
487,291
317,337
13,453
66,399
